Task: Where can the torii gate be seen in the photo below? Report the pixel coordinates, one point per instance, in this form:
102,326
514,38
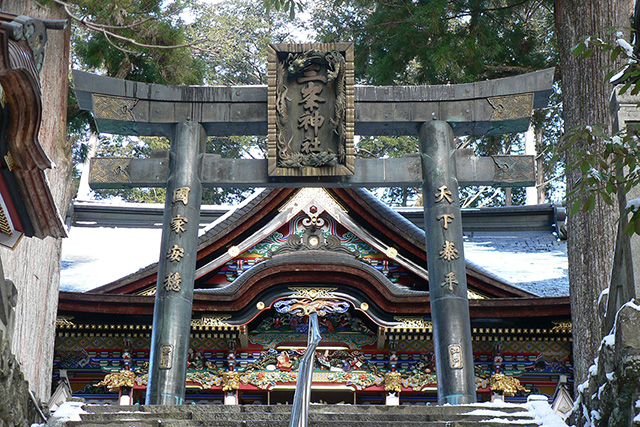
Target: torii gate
315,83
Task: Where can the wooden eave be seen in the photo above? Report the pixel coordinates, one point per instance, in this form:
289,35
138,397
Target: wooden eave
114,304
19,80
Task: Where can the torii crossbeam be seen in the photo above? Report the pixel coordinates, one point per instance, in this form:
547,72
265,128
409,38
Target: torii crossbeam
434,113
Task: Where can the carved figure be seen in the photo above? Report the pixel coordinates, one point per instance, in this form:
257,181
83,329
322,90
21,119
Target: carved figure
284,361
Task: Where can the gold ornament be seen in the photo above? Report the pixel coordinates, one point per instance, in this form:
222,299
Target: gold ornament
118,380
449,251
175,254
447,220
442,194
172,282
450,280
230,381
393,381
509,386
177,224
181,195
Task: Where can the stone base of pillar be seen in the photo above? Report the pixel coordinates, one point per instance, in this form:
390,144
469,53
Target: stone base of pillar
393,399
231,398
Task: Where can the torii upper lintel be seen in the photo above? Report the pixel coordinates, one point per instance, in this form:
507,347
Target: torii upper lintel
481,108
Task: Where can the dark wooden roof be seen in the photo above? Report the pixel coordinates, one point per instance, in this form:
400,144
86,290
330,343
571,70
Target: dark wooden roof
258,283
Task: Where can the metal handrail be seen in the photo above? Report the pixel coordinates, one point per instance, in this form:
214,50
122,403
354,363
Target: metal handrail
300,411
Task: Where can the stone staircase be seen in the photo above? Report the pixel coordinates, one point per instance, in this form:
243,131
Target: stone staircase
319,416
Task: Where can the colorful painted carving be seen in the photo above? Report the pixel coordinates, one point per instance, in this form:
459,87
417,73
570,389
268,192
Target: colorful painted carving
302,307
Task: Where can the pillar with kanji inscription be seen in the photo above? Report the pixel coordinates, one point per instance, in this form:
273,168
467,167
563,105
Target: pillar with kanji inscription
445,261
176,269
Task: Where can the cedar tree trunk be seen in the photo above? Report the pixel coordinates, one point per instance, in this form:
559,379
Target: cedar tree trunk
34,266
591,235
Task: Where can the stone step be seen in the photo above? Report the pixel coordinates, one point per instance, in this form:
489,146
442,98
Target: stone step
137,415
341,409
275,416
263,423
319,416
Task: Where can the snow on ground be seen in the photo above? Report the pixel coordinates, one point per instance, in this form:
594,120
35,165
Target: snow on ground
496,413
543,414
68,411
537,407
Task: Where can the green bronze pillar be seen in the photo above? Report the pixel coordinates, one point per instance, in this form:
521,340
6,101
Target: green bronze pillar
176,268
445,260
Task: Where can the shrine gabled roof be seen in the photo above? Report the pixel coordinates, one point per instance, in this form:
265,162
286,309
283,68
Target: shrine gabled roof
372,220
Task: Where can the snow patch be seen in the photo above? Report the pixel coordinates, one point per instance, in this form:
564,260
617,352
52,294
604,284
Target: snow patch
494,404
628,49
92,257
495,413
634,204
539,408
632,304
604,296
585,414
68,411
609,340
593,369
582,387
601,390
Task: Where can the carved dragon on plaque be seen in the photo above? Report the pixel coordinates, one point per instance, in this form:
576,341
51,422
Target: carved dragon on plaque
310,101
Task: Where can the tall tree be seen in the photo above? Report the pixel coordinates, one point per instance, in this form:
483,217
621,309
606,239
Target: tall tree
441,42
586,101
34,266
231,38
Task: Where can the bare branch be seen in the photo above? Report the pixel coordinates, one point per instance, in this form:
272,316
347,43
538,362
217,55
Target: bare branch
509,69
467,202
544,184
485,201
106,31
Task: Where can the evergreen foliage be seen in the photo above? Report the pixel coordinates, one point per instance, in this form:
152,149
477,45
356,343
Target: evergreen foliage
449,42
231,39
615,170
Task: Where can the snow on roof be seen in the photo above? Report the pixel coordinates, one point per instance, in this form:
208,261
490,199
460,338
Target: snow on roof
93,257
534,261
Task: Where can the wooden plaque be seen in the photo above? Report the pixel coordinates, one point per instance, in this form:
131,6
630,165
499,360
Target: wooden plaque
311,109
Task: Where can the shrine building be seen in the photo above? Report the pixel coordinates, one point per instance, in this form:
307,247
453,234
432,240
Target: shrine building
362,267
